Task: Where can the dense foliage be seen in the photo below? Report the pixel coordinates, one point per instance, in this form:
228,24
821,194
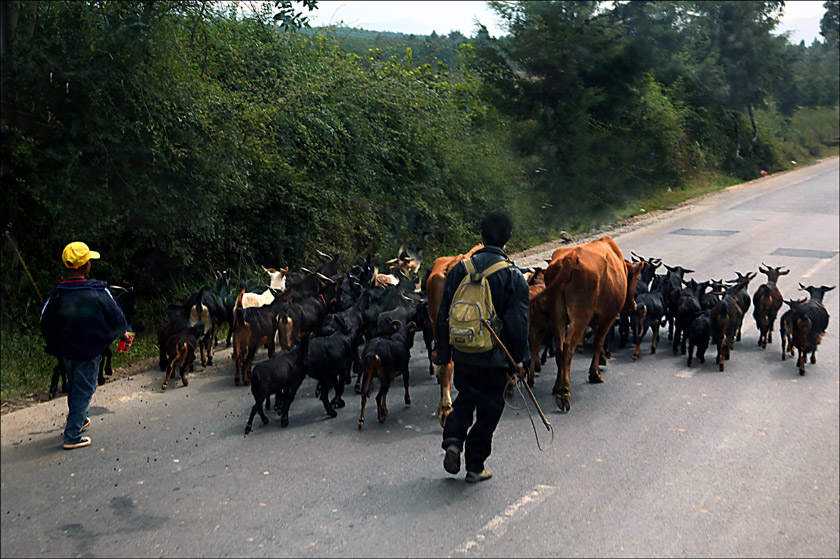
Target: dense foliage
178,137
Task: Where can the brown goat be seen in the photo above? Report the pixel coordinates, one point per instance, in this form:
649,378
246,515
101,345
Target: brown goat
767,301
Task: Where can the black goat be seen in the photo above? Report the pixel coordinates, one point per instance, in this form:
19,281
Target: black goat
281,375
386,358
699,333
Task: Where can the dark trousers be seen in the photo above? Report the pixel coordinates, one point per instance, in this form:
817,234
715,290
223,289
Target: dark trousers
480,392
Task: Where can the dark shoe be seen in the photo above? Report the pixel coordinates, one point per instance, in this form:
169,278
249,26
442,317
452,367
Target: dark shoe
473,477
452,460
84,442
86,425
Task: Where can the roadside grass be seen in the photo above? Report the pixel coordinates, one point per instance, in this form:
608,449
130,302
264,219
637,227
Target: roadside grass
672,197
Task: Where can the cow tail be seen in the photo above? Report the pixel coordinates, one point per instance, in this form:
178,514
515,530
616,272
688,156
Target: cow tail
567,265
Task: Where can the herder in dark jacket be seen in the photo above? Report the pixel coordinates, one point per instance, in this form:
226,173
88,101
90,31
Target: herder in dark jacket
79,320
481,378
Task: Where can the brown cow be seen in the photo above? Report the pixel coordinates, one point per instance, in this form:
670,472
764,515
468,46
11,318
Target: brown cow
434,291
538,323
587,285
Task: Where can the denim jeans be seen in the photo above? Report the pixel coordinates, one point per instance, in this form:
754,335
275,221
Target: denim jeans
81,384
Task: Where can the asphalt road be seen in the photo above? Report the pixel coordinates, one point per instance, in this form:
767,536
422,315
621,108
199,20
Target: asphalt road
661,460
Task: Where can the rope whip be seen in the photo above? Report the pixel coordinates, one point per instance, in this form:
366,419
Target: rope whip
528,388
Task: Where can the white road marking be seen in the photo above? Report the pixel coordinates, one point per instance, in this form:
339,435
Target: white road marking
498,525
817,266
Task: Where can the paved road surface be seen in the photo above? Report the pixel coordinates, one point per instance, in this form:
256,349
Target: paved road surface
661,460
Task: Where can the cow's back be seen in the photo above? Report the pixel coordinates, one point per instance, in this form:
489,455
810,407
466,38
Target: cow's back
589,276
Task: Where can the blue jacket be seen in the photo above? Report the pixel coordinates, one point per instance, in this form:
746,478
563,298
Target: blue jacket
80,319
511,300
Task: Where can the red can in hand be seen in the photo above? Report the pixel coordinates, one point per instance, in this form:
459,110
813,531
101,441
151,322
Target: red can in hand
125,346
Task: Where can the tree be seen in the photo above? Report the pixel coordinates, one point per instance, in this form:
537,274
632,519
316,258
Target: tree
289,17
830,23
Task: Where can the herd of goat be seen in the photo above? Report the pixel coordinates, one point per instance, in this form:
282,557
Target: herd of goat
333,325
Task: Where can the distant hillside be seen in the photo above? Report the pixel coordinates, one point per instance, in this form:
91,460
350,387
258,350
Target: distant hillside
425,49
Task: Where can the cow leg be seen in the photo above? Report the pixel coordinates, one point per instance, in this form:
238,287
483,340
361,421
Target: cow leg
564,348
599,339
444,374
562,387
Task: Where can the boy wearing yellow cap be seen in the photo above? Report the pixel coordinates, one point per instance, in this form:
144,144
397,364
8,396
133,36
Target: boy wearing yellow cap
79,320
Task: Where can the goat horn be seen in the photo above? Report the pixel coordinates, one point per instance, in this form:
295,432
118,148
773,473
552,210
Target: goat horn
321,254
391,261
323,277
305,270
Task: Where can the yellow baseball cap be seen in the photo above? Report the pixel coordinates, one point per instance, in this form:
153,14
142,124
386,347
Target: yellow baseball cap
77,254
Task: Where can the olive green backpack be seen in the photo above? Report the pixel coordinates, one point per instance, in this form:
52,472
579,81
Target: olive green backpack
472,302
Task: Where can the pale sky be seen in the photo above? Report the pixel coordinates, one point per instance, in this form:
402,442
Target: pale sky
802,18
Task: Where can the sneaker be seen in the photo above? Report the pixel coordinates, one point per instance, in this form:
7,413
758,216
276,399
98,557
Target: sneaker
452,460
473,477
86,425
84,442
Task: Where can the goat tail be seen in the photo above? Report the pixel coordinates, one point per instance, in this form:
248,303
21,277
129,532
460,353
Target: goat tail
373,363
640,315
182,350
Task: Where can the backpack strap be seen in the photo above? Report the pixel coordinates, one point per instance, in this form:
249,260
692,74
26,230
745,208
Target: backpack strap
475,277
497,266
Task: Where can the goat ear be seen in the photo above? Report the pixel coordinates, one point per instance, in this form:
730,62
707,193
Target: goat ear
802,287
827,288
784,272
